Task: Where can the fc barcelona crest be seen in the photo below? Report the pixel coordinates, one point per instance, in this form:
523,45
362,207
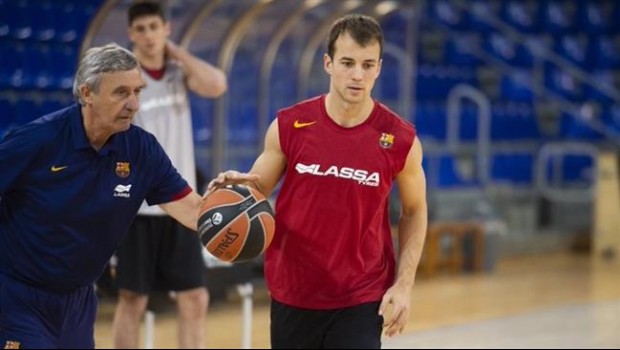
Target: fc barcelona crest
386,140
122,169
12,344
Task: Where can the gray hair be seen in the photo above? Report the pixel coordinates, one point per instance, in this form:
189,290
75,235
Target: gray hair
98,60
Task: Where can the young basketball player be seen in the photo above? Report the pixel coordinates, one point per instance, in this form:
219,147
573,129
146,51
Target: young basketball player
331,268
158,253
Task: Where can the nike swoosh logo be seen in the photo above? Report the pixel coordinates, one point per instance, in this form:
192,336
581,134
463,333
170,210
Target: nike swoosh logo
298,125
56,169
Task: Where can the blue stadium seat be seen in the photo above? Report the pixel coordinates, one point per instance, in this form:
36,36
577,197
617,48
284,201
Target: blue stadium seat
450,176
430,120
480,10
24,66
67,25
43,21
242,122
389,80
51,105
32,66
517,86
448,13
202,119
558,17
18,19
4,19
42,64
394,26
65,61
511,121
596,17
513,168
435,82
469,123
573,48
500,126
509,52
25,110
573,127
537,45
603,51
562,83
610,116
8,64
460,49
604,78
577,168
521,14
240,162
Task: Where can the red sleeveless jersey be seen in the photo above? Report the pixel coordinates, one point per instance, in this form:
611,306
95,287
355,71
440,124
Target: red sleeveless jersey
332,246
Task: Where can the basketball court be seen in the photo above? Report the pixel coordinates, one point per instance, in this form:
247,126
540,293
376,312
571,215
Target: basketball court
558,300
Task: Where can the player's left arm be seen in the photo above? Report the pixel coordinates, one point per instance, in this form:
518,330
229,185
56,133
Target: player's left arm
185,210
411,181
203,78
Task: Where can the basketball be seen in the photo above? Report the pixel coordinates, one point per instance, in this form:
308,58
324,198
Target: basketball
236,223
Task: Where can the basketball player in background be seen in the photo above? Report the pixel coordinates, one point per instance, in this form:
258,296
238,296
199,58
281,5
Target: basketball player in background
331,268
158,253
71,184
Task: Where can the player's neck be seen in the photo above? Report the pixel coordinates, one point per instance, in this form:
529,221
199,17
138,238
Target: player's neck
347,114
151,62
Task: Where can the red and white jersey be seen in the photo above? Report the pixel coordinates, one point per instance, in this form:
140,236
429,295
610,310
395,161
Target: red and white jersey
332,246
165,112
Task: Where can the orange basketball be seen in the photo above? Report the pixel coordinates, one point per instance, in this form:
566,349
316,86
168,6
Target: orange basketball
236,223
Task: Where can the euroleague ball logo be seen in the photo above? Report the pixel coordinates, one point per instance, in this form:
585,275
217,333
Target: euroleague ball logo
217,218
214,220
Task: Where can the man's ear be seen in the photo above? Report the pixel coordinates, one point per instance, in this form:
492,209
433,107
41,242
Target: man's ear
327,63
86,93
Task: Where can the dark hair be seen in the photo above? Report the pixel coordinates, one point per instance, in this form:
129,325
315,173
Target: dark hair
363,29
145,8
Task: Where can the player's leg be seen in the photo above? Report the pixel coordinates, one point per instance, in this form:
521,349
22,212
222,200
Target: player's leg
127,318
135,273
193,306
182,268
357,327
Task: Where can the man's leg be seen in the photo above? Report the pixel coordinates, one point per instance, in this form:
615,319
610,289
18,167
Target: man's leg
193,304
126,325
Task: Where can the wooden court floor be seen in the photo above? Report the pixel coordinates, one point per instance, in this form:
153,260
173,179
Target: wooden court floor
516,287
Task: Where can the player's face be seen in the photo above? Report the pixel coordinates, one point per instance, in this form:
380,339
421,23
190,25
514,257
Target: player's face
117,100
353,69
149,35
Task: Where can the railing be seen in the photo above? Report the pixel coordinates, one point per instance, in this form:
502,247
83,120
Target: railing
555,153
457,94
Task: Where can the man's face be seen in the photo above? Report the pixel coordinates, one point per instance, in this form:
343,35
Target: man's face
149,35
117,100
353,69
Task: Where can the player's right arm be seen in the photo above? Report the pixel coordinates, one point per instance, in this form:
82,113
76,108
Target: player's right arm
271,163
266,171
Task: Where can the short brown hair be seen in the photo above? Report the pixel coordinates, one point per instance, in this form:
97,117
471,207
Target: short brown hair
363,29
